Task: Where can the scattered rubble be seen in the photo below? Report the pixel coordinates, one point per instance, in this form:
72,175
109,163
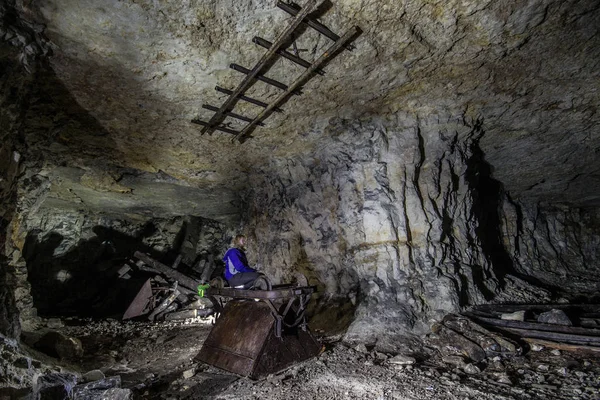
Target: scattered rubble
556,317
459,359
154,360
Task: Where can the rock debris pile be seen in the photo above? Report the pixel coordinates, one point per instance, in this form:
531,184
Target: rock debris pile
155,360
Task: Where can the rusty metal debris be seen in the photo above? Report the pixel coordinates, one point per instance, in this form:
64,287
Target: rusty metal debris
140,303
259,332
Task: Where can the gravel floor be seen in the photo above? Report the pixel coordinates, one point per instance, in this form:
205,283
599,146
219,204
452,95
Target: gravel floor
155,360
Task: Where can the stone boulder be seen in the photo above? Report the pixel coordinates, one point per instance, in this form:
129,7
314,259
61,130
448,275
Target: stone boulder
57,345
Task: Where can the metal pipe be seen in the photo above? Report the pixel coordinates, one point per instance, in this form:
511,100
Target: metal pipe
286,54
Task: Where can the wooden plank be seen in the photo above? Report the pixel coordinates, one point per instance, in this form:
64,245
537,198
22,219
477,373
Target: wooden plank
219,128
535,326
183,280
561,346
297,83
227,113
508,308
265,59
556,336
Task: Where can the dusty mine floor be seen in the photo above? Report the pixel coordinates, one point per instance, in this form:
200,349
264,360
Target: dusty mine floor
156,361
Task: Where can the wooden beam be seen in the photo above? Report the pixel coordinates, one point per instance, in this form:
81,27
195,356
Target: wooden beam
556,336
297,83
227,113
535,326
507,308
183,280
219,128
219,116
561,346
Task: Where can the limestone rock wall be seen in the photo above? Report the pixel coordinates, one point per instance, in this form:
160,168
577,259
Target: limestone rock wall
20,47
558,248
400,216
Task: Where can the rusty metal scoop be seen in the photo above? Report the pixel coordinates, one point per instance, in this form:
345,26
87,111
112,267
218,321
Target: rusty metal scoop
258,338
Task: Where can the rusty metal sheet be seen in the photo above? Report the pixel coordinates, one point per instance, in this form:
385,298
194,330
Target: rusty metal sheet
243,342
140,302
238,336
294,347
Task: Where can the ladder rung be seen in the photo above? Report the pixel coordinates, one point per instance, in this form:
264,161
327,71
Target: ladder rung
246,98
294,9
262,78
219,128
229,114
267,45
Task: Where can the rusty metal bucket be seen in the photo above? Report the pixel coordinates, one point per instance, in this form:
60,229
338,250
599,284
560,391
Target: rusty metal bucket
243,341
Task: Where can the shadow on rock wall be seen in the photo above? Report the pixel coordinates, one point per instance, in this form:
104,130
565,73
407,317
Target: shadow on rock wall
84,281
488,195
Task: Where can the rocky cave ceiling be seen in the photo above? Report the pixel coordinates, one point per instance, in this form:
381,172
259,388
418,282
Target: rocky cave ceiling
528,70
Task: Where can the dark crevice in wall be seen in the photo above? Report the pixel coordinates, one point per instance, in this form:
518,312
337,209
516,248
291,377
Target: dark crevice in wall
519,223
84,280
9,315
488,195
80,278
15,87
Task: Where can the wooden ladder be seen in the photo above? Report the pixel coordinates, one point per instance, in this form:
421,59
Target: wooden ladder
257,73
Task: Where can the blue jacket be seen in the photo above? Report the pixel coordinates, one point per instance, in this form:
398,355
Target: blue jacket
235,262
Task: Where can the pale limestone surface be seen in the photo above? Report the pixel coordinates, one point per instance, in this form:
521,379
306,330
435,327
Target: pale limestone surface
528,71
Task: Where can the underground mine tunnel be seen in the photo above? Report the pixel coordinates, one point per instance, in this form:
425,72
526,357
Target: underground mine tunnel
421,177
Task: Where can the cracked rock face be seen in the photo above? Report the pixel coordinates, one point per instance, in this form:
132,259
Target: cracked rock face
527,70
413,230
450,159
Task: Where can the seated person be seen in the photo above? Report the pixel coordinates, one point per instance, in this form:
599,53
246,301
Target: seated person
237,271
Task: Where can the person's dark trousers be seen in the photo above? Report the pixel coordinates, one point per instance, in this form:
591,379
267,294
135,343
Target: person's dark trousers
243,278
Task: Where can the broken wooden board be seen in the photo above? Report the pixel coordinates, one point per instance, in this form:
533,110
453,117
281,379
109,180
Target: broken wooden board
184,280
561,346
